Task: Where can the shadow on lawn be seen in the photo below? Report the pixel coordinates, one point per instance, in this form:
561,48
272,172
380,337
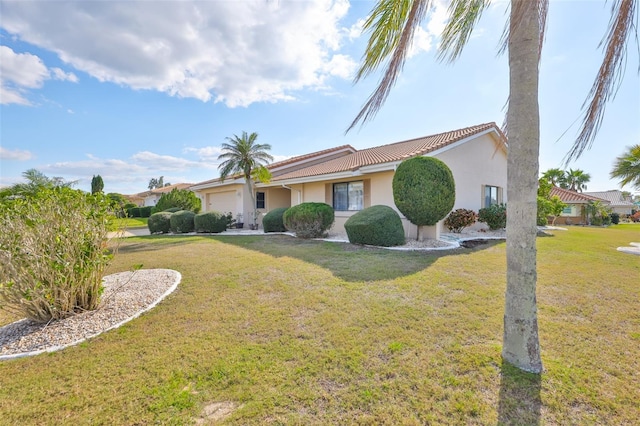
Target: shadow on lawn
519,400
152,243
347,261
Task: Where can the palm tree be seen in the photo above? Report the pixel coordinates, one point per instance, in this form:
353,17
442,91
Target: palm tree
576,180
554,176
392,24
242,155
36,180
627,167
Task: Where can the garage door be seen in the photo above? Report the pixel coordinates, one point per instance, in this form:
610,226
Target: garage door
222,202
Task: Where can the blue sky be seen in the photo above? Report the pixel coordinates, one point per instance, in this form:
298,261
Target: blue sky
137,90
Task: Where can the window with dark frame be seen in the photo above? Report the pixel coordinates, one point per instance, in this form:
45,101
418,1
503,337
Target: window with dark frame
348,196
491,194
260,200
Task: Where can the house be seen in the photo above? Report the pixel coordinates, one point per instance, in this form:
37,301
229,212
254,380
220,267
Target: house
351,180
151,197
576,202
617,201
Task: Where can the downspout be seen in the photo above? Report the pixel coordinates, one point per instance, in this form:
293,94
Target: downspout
292,189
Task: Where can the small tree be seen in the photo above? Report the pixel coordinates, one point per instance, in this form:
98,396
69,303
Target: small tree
548,205
181,198
97,184
424,190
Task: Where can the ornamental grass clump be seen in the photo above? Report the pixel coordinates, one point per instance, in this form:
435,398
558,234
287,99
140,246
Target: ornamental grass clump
460,219
53,252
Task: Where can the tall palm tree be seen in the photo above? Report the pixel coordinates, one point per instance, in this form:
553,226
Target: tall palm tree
242,155
576,180
627,167
554,176
392,24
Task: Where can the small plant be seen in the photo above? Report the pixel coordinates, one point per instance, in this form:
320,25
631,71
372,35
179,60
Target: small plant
309,220
460,219
615,218
495,216
273,221
53,252
211,222
160,223
182,222
377,226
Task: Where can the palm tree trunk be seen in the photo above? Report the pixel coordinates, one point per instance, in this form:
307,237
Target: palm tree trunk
521,346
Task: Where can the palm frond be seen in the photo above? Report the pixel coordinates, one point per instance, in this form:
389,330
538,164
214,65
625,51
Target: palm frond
463,16
624,20
392,24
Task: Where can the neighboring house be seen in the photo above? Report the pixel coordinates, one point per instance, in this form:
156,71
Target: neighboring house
151,197
351,180
576,202
616,200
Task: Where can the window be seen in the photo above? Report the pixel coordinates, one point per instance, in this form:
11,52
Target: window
566,210
348,196
491,195
260,200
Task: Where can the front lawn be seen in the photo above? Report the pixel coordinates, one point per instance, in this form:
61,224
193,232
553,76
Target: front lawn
307,332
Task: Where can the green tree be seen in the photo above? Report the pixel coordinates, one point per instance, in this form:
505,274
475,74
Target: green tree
548,205
576,180
35,181
424,191
554,176
97,184
182,198
392,25
627,167
243,156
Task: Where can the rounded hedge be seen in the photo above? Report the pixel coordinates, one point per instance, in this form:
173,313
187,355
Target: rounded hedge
159,223
210,222
273,221
309,220
182,221
424,190
376,226
173,209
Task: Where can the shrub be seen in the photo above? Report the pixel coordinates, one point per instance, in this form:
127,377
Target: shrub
376,226
172,209
53,253
160,223
424,190
460,219
309,220
133,212
182,198
182,221
273,221
635,217
210,222
495,216
145,211
615,218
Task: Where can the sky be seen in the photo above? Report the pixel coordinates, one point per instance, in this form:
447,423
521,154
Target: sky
135,90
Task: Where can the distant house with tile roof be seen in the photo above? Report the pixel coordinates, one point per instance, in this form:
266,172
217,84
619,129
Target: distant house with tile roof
351,180
574,213
151,197
618,203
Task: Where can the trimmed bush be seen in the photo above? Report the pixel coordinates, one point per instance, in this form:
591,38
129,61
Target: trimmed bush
160,223
145,211
173,209
376,226
460,219
615,218
424,190
210,222
183,198
53,253
133,212
495,216
309,220
273,221
182,221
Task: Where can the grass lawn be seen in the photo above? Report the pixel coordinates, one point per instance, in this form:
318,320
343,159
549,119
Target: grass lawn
132,222
306,332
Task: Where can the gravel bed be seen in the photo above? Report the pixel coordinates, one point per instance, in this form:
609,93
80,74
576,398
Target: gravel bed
126,296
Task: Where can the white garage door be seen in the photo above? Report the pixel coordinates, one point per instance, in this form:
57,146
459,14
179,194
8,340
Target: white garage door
222,202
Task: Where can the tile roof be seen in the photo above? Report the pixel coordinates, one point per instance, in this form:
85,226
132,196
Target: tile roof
389,153
573,197
613,196
164,189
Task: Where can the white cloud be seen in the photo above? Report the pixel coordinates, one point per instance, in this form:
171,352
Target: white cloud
22,71
15,154
232,52
424,37
165,162
207,153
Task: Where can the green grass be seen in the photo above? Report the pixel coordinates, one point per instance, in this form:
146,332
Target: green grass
131,222
305,332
